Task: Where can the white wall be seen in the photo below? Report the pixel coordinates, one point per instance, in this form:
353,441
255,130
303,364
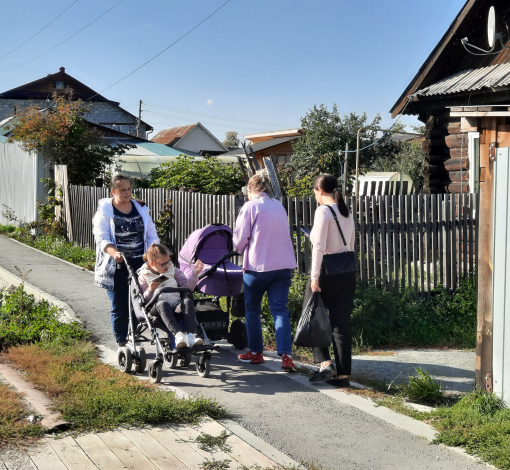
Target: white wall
198,140
20,186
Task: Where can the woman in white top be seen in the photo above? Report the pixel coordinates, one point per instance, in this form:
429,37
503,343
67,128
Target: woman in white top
337,292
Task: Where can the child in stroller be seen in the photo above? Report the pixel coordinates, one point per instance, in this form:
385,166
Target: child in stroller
159,271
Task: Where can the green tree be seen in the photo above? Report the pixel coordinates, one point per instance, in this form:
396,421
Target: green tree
231,139
407,159
208,176
325,133
66,137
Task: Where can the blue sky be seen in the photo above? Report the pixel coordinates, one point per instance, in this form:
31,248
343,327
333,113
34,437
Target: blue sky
265,61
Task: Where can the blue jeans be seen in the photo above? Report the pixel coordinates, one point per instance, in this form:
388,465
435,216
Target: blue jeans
119,299
276,284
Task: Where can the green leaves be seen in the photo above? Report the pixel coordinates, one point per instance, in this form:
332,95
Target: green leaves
326,133
207,176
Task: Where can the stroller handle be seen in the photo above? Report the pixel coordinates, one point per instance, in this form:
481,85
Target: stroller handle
214,267
166,290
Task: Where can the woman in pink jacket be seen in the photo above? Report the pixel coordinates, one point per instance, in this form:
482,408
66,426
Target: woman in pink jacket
262,236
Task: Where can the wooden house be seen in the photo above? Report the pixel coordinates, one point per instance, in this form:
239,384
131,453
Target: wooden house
462,94
104,112
193,138
277,144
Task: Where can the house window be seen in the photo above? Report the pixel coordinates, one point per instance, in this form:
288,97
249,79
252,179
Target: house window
474,161
281,159
59,85
118,127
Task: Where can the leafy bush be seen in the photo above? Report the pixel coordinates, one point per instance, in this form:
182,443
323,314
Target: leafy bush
207,176
25,320
381,318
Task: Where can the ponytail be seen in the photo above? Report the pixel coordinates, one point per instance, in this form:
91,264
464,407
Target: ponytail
329,184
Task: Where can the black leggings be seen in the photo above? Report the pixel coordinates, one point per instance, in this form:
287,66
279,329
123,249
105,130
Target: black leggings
167,312
337,293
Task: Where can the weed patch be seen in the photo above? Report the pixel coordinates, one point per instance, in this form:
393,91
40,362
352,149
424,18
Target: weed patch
25,320
13,423
94,396
423,389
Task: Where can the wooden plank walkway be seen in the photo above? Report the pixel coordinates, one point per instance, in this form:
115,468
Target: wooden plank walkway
169,447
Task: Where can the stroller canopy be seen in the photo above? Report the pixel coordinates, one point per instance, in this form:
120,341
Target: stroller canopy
209,244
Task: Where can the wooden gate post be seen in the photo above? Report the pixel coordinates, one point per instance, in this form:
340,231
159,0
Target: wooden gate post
485,241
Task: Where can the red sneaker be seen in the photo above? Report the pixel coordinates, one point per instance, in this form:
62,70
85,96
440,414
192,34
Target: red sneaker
287,364
251,358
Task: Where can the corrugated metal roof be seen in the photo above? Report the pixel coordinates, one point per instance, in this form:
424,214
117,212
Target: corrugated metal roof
470,80
167,136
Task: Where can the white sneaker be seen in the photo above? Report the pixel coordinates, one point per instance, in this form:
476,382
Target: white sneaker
180,340
194,340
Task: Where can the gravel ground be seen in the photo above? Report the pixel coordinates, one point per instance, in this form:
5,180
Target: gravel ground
455,369
301,422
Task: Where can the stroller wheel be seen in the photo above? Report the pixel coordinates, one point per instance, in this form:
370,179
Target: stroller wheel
124,359
238,336
203,367
155,372
142,360
174,359
185,360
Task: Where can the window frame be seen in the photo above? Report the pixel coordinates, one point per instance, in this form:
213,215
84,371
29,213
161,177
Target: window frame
474,161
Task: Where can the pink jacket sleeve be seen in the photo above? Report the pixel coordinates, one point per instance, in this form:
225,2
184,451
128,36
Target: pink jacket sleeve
183,281
144,286
319,239
243,229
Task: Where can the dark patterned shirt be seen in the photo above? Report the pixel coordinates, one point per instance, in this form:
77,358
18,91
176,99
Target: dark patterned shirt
129,232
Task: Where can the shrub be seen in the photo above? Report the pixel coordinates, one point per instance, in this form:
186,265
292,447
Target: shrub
381,318
207,176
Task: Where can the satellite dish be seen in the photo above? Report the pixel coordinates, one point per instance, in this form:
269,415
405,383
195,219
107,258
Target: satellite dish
491,27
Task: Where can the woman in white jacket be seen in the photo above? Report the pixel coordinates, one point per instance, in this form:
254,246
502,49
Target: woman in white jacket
120,225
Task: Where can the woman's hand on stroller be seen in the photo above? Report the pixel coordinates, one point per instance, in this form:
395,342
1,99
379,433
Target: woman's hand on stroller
198,268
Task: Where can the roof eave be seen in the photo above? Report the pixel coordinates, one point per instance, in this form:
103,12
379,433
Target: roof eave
431,59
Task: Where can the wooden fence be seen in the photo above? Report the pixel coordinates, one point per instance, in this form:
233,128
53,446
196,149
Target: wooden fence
403,241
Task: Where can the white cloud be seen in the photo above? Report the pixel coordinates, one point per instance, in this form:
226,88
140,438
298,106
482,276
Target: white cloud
209,102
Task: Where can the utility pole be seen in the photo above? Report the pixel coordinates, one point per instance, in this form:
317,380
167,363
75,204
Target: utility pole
139,119
344,183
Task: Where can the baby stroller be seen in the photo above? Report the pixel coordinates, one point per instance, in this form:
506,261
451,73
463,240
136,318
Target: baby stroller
213,245
133,354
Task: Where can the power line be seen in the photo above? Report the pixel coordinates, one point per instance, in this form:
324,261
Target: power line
40,31
208,128
234,122
164,50
211,115
70,37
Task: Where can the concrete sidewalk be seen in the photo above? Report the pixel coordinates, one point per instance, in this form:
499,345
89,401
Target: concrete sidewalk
308,423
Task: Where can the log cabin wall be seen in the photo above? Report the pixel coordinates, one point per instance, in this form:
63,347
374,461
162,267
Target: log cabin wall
445,150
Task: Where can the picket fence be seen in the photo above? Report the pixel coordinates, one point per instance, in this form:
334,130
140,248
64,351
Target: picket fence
403,241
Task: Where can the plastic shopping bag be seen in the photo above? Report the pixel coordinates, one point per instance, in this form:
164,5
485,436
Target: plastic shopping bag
314,328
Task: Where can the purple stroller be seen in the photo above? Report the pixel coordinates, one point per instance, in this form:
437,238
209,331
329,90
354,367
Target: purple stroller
221,278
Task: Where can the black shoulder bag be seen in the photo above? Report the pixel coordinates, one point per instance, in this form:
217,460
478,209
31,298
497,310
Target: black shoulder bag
338,263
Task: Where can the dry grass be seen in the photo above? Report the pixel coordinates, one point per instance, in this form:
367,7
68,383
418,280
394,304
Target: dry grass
13,425
94,396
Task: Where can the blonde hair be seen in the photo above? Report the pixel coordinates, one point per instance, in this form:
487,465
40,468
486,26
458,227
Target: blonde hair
155,250
260,181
